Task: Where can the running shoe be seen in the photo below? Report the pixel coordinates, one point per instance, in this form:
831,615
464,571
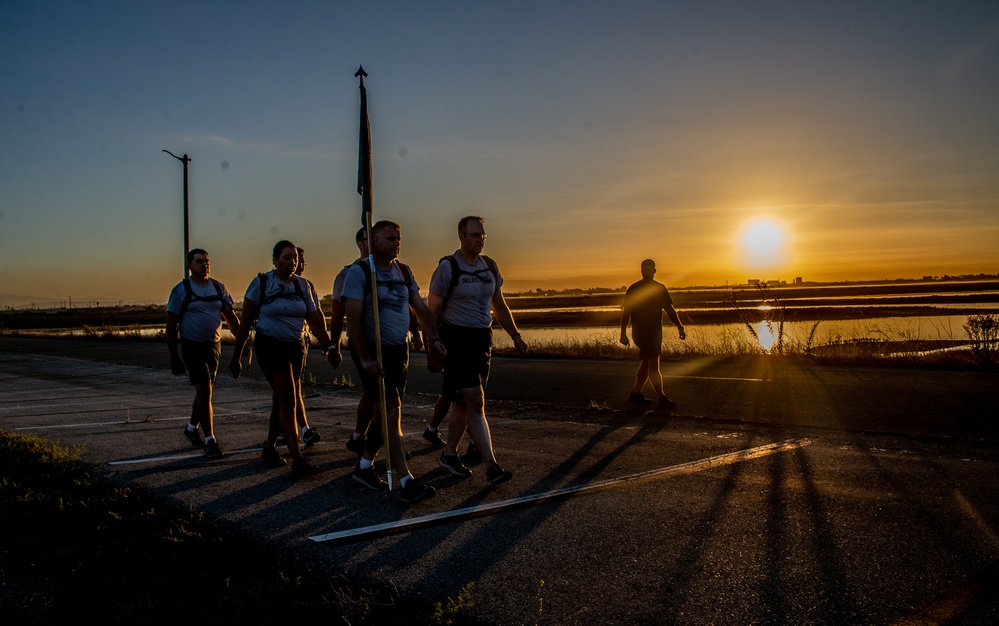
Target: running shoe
414,491
311,437
369,478
302,468
272,457
636,397
433,437
356,445
194,437
665,403
453,464
496,474
212,449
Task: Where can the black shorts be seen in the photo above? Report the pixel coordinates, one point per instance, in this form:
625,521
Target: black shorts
468,355
275,355
395,364
650,344
201,358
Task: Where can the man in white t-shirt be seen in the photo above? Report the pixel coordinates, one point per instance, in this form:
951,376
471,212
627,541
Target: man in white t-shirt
397,292
465,294
195,311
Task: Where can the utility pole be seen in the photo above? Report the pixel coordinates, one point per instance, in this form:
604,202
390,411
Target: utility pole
187,209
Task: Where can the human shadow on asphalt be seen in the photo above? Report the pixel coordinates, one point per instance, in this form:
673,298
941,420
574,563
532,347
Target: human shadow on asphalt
484,544
262,483
678,578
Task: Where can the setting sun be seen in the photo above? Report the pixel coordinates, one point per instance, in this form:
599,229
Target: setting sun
762,243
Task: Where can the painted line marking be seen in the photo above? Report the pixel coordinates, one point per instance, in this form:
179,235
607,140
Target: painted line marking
392,528
132,423
187,455
192,455
751,380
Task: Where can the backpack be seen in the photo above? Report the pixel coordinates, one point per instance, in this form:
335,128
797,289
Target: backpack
190,296
265,299
434,364
406,272
457,272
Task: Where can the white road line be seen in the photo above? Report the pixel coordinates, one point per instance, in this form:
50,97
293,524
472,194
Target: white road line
751,380
122,422
180,457
391,528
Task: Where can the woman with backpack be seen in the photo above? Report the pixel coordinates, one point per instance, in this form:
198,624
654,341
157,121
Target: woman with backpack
277,303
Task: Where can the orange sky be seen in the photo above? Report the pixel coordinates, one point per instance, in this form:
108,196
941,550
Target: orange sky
591,135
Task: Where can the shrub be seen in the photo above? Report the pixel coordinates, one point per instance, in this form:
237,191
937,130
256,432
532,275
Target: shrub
983,331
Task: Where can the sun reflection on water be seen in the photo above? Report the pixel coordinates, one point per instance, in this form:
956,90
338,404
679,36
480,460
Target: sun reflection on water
766,337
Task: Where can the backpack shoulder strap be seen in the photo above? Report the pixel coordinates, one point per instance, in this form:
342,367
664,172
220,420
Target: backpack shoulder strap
263,290
188,296
455,273
366,270
492,266
407,274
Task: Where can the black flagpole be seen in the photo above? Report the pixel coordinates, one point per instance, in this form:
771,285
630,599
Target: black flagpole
364,188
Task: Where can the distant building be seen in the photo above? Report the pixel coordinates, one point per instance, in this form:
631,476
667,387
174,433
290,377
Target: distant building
798,280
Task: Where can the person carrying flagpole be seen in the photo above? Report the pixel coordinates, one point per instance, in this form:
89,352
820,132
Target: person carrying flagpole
363,309
379,347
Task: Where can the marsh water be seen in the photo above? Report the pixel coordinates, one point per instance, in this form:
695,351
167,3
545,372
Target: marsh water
710,338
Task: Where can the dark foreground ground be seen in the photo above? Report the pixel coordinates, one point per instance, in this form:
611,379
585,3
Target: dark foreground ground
778,491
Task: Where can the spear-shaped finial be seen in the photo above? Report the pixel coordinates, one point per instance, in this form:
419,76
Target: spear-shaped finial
360,72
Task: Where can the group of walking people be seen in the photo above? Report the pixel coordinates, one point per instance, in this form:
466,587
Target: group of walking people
454,324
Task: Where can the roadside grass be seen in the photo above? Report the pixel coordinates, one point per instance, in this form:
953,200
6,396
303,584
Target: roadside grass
79,547
883,350
871,344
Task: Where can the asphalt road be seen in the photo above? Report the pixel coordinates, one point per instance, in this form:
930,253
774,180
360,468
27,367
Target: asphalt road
776,493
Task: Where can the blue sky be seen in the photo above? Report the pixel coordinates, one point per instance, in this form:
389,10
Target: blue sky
590,135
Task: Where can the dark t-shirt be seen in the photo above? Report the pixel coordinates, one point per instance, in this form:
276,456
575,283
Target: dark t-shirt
646,300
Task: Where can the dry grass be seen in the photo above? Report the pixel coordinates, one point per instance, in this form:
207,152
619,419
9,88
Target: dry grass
80,548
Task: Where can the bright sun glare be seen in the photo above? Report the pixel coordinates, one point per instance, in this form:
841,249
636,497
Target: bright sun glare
763,243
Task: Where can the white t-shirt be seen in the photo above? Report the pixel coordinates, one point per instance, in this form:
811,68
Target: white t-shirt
281,310
470,304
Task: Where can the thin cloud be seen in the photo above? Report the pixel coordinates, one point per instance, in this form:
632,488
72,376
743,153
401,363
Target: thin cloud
970,53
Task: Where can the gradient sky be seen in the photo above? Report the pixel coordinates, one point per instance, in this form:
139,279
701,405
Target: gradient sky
727,140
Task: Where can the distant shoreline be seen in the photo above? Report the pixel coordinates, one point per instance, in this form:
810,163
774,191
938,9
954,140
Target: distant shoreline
124,317
946,283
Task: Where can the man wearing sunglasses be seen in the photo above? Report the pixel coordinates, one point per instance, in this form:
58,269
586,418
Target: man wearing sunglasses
465,294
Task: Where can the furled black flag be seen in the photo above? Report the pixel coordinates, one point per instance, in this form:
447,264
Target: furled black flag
364,154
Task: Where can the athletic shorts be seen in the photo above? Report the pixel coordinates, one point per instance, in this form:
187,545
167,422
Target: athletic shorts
468,354
275,355
201,359
395,364
649,344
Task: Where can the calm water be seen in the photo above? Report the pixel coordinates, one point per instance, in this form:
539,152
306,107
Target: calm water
718,335
709,337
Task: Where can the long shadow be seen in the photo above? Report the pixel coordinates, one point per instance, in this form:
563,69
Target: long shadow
952,528
774,593
681,576
840,608
484,542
